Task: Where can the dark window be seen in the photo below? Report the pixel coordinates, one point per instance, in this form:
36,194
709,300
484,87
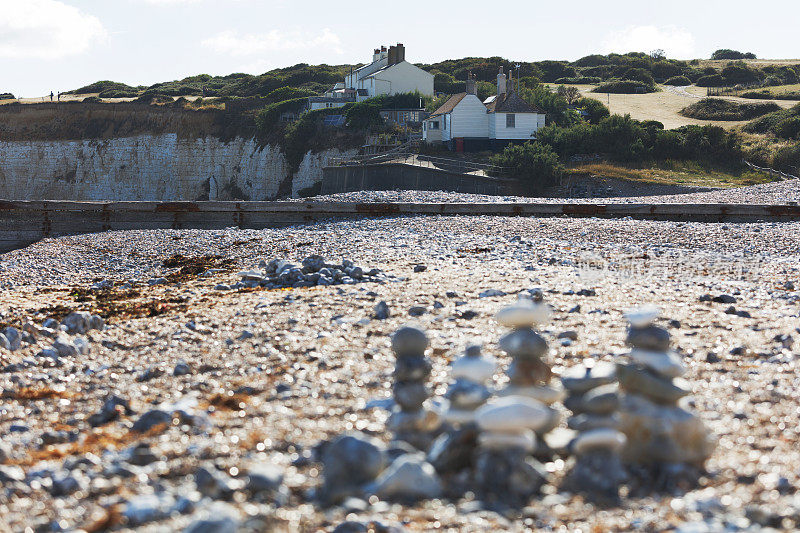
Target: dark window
434,125
511,120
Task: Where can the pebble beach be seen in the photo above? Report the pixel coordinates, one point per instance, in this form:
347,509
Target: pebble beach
203,393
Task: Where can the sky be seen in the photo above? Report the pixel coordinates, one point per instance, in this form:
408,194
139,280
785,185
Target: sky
64,44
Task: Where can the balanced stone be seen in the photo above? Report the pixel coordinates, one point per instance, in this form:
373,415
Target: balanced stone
544,393
412,368
511,414
524,314
643,316
350,461
599,439
496,440
579,379
665,362
524,344
639,380
586,422
528,372
473,368
663,433
603,400
410,395
465,394
409,477
409,341
652,338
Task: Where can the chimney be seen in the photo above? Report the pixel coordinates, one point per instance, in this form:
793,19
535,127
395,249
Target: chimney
501,82
510,81
471,87
392,55
376,55
401,53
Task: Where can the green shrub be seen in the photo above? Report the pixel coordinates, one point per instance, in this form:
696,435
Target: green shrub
596,109
115,93
624,139
536,164
678,81
580,80
102,86
766,94
624,87
738,73
7,96
710,80
282,94
727,53
267,118
554,106
652,124
779,123
787,159
789,128
719,109
640,75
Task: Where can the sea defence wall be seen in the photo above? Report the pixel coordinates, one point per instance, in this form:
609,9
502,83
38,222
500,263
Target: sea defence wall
136,152
22,223
400,176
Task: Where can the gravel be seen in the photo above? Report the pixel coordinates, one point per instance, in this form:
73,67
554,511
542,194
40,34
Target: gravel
779,192
319,364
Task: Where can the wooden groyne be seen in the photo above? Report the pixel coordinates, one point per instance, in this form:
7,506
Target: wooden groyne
22,223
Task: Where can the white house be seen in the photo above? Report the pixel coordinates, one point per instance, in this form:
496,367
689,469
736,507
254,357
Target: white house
466,121
389,73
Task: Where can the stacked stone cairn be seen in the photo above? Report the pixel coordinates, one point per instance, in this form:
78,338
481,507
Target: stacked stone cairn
505,472
313,271
593,398
471,372
660,428
412,421
529,374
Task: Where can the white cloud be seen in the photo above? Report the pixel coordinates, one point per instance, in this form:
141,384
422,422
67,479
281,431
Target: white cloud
231,43
676,42
46,29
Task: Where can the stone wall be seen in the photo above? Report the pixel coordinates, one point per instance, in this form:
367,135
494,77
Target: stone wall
157,167
398,176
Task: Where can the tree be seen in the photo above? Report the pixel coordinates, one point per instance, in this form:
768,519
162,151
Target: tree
536,164
595,109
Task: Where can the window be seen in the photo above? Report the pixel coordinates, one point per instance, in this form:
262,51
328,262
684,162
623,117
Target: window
511,120
434,125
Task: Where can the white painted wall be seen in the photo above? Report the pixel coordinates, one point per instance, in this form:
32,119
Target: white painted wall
325,105
149,167
526,125
404,78
468,119
432,135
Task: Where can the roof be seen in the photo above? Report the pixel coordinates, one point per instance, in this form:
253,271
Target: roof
450,104
510,102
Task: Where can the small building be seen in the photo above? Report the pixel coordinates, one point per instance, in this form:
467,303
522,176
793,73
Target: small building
432,129
466,123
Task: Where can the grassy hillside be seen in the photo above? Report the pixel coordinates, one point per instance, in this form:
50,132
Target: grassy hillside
450,75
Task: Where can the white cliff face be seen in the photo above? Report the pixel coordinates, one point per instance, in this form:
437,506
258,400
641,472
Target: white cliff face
149,167
310,171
